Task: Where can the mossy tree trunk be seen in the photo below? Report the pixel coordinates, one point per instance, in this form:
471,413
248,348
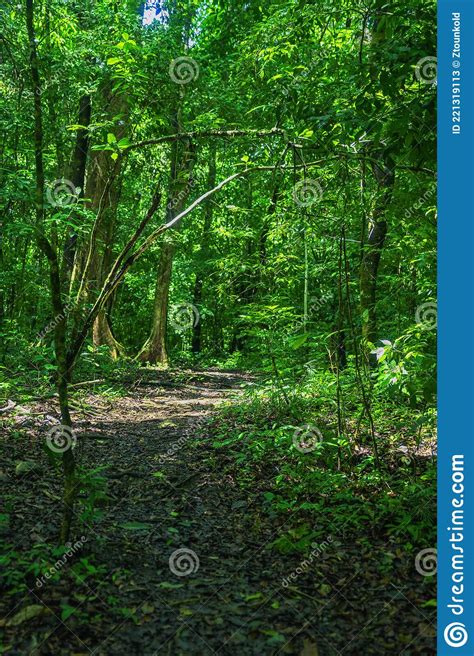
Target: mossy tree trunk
154,351
94,256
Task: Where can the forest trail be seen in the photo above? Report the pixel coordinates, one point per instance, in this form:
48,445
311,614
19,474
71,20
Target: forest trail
228,592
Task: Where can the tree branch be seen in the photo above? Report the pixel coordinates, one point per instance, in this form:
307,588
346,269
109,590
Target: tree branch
223,134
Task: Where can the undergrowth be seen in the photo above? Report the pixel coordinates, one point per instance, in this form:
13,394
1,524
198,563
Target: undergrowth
288,445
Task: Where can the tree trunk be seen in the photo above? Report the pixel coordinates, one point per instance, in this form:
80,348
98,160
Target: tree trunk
94,257
204,254
306,282
197,328
337,350
76,175
384,174
50,251
266,227
154,350
102,334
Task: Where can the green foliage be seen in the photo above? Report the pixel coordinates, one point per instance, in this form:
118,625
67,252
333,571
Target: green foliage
316,116
336,483
93,493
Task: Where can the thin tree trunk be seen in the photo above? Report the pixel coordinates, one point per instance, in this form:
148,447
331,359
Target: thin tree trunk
306,282
204,254
266,227
197,327
372,250
77,174
68,460
154,350
384,173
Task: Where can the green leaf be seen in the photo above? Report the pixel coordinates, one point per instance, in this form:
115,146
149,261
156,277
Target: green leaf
102,147
298,341
67,611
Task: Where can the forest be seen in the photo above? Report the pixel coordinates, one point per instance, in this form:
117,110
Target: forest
218,327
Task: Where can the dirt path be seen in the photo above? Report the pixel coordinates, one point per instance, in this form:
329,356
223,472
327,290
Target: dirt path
179,562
